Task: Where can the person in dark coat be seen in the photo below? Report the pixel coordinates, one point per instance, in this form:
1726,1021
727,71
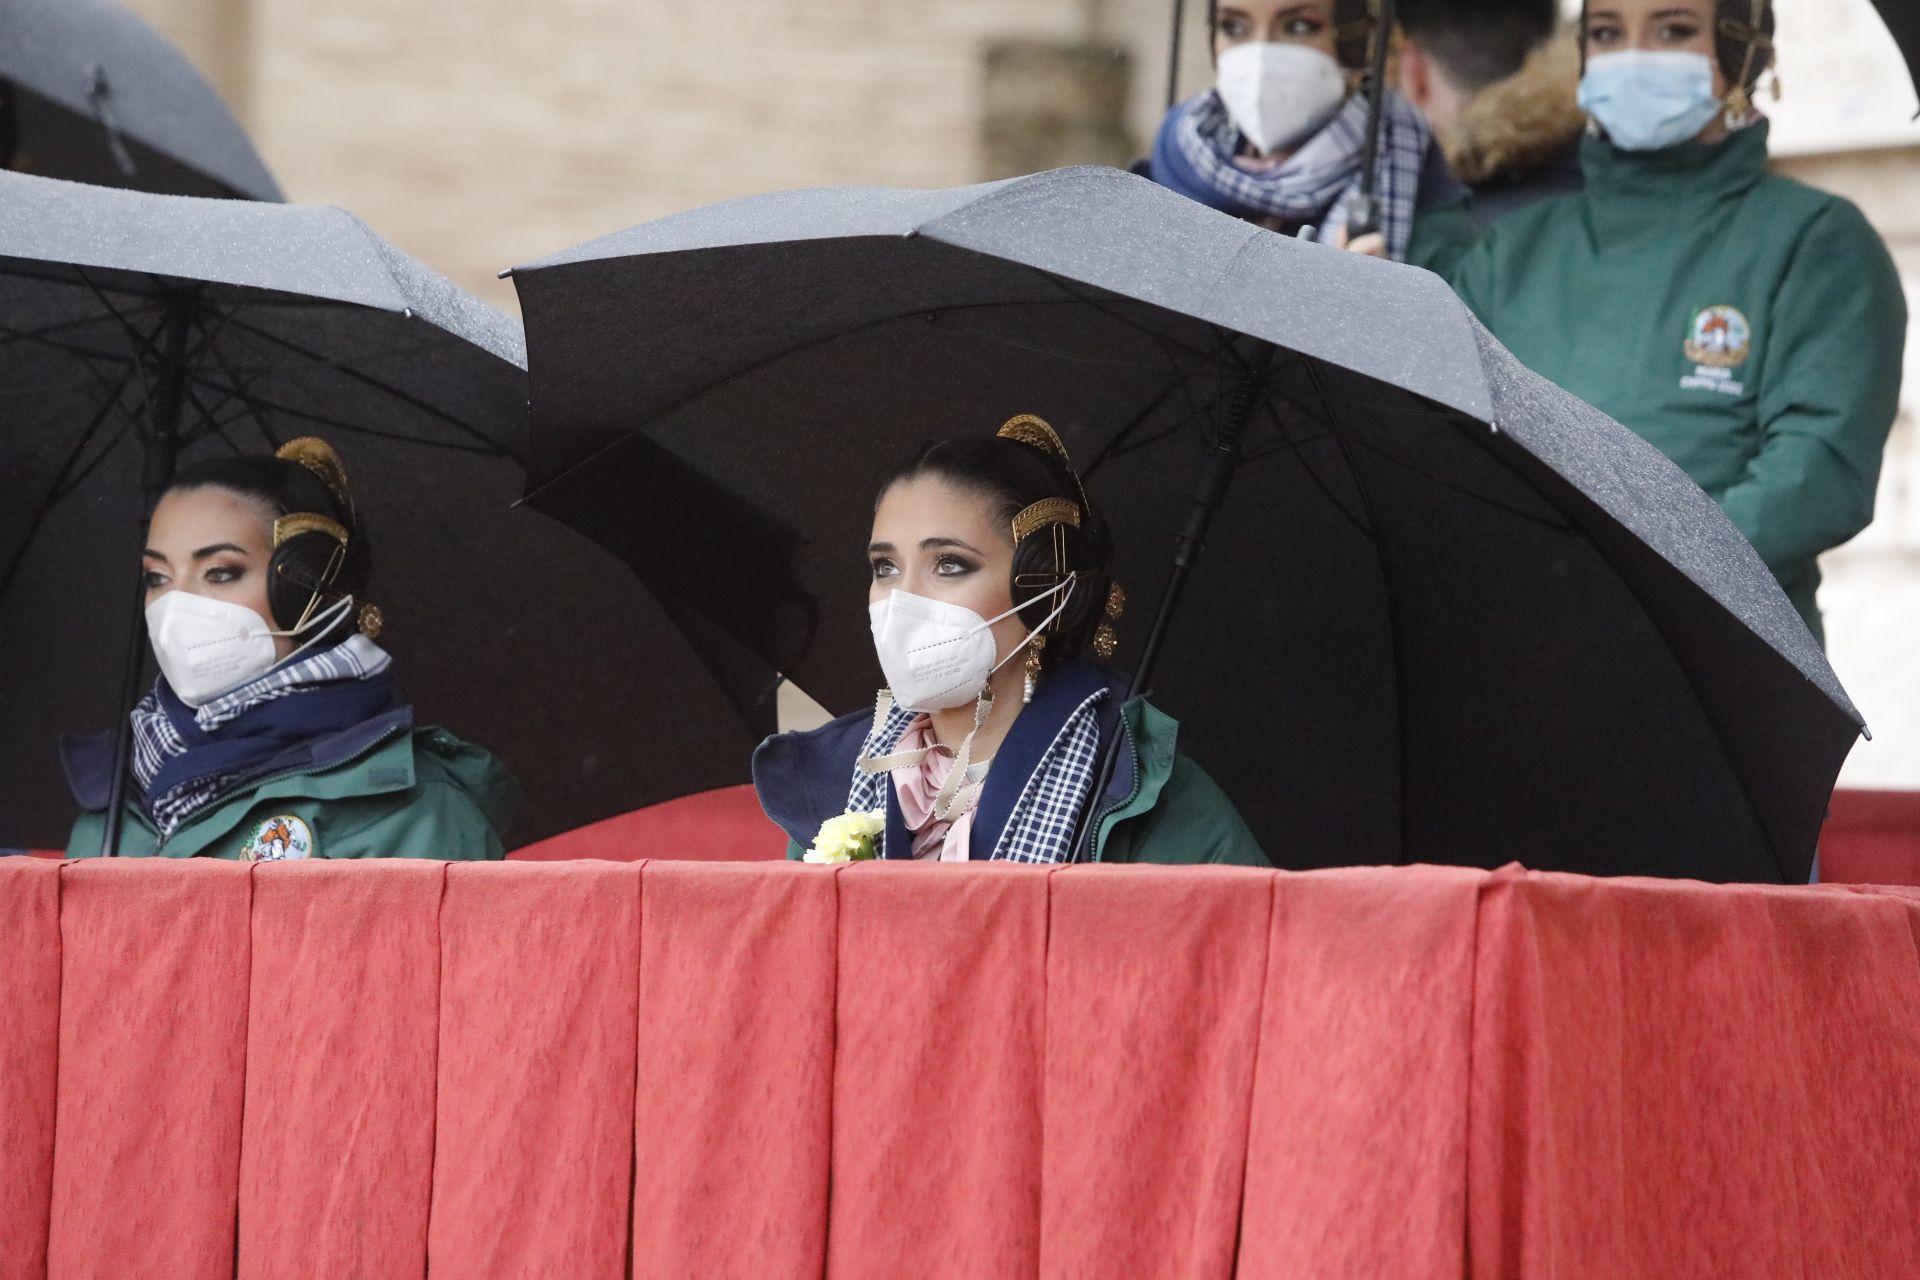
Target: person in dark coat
1500,89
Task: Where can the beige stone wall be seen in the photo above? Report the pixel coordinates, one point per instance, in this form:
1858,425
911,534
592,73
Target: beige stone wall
480,133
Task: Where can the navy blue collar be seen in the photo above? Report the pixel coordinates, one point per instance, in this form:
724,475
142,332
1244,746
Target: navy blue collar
802,779
88,758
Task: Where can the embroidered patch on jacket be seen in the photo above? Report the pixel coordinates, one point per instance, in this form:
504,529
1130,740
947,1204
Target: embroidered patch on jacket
281,839
1718,342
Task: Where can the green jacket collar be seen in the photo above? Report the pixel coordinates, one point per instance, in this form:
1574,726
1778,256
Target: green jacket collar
1621,186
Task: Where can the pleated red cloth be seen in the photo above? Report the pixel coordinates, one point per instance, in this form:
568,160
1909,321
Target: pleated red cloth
337,1141
674,1069
733,1114
153,1045
29,1047
940,1072
538,981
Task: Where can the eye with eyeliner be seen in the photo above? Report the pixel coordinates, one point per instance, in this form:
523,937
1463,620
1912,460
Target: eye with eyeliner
953,567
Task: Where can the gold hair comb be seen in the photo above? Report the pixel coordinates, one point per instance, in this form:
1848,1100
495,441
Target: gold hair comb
317,456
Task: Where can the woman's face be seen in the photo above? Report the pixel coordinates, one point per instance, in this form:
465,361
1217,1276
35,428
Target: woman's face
1654,26
1275,21
212,542
934,539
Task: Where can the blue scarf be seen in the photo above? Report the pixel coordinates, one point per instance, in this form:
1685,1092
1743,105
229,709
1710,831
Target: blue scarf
1194,151
184,759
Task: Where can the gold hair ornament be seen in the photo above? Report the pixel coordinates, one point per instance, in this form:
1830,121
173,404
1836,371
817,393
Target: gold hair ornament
317,456
1035,432
292,526
1047,511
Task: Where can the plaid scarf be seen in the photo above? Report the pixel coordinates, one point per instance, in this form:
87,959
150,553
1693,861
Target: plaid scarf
1042,824
1194,154
183,760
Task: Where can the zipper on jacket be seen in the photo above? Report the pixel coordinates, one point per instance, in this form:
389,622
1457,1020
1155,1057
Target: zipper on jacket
1099,842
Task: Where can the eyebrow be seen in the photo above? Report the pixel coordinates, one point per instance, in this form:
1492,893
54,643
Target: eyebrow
926,544
202,553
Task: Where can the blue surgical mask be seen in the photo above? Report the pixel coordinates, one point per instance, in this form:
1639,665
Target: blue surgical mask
1649,101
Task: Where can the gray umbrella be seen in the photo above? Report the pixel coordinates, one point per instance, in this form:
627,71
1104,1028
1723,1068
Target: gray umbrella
90,93
135,329
1448,612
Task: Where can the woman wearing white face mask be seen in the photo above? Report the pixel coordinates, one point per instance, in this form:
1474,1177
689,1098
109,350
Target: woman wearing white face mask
1749,327
1279,139
990,585
273,732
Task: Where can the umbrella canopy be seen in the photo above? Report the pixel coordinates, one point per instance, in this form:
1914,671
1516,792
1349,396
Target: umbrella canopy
1903,24
1449,612
90,93
274,321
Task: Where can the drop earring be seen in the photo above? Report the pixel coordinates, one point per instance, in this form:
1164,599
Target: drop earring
1033,672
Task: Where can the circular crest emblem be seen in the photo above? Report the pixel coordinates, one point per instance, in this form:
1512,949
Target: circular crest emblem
281,839
1720,338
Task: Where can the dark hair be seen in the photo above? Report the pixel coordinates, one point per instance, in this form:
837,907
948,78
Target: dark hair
1354,25
1014,476
1479,42
299,565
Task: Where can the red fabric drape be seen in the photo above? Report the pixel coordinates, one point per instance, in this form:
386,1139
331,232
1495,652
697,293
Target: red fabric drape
734,1111
29,1040
940,1072
1675,1081
153,1038
1154,982
711,1069
1362,1076
336,1148
538,985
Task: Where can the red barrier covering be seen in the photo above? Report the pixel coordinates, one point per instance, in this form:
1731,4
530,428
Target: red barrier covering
538,982
940,1071
29,1041
733,1119
153,1040
336,1150
410,1069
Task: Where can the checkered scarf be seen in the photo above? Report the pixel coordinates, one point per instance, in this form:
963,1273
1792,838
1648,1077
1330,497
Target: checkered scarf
158,740
1315,182
1041,827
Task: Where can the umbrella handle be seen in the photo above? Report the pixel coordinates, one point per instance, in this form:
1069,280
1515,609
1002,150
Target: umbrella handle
1210,492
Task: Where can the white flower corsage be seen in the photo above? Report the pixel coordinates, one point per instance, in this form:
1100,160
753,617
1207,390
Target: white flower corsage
850,837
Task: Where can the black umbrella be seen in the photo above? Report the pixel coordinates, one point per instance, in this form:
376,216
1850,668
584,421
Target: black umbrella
90,93
1903,24
137,328
1450,613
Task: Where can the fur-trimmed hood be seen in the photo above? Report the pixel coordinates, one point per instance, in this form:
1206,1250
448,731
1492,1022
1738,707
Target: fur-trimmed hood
1516,125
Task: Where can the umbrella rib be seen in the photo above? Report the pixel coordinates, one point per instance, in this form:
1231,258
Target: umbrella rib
338,424
60,487
369,381
1072,289
768,361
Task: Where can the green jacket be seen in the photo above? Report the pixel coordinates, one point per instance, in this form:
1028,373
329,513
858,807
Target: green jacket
401,793
1442,235
1162,808
1750,327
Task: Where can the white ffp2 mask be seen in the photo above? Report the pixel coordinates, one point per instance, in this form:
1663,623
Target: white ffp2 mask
1279,94
206,647
937,655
